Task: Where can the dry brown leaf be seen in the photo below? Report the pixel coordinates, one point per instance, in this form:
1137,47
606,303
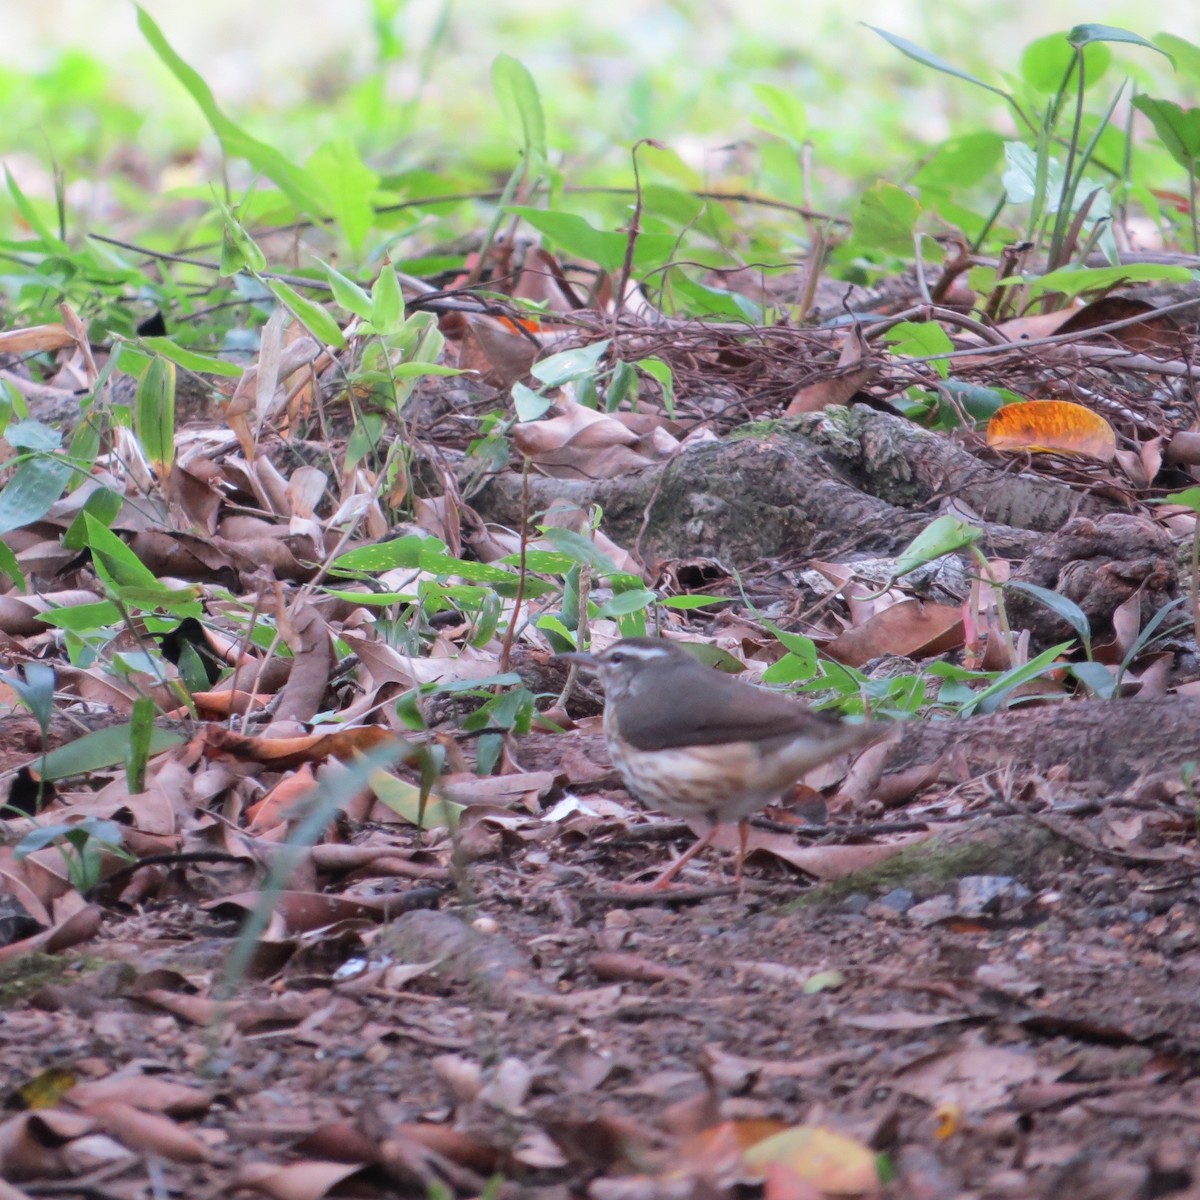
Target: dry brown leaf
309,1180
1052,427
912,627
36,339
855,371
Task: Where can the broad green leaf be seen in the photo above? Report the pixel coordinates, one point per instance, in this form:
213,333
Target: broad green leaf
114,561
104,748
786,110
884,218
404,799
944,535
34,487
1046,61
83,618
1071,281
189,360
349,183
103,504
570,364
32,435
1184,54
926,59
154,415
528,404
961,162
1100,680
1178,129
574,235
580,549
920,339
385,556
661,373
634,600
312,316
517,95
1189,498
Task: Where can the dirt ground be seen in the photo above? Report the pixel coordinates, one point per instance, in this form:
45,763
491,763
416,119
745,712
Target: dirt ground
997,1012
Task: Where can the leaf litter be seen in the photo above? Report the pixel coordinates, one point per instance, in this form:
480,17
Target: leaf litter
442,987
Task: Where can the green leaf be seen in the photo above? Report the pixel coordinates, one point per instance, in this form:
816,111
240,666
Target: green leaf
884,218
36,691
786,111
1184,54
919,339
154,415
104,748
941,536
517,95
349,183
1178,129
83,618
961,162
528,404
114,561
574,235
1189,498
189,360
385,556
103,504
570,364
141,730
34,487
1071,281
926,59
1085,35
623,603
1046,61
404,799
10,567
304,191
994,696
312,316
32,435
1061,606
239,251
347,293
661,372
387,301
692,601
50,241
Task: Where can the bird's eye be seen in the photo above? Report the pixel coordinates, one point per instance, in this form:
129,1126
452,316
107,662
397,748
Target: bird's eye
616,657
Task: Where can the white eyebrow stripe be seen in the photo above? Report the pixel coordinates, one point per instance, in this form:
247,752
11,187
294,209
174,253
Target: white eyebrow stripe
644,652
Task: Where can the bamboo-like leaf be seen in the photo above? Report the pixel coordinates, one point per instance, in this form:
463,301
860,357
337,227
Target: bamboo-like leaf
154,415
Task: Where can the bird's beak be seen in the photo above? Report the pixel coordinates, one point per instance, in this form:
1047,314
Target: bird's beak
587,661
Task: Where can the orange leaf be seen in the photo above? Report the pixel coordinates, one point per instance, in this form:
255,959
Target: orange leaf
1052,427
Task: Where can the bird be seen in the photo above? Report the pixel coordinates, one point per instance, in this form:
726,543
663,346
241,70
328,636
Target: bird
699,743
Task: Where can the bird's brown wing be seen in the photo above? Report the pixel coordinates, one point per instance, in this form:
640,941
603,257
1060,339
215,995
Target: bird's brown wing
725,710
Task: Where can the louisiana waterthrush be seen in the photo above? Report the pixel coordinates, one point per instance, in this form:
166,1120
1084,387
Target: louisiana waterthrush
698,743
